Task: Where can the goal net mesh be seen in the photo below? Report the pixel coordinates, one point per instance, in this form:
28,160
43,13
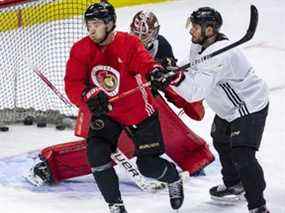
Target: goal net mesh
36,35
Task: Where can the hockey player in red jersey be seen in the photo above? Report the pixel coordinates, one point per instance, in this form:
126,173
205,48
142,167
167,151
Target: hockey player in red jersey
106,64
187,150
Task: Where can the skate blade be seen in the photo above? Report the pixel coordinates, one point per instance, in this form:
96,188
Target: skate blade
228,200
157,186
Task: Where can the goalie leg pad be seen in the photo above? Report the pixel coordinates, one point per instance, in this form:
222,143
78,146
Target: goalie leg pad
66,160
189,151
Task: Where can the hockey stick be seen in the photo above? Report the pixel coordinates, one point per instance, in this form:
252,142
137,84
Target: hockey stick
129,92
248,36
118,156
52,87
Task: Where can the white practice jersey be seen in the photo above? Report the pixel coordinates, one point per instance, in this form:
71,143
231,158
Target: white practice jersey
227,82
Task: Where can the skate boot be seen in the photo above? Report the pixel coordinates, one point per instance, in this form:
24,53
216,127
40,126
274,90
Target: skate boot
261,209
176,193
117,208
227,194
40,174
42,171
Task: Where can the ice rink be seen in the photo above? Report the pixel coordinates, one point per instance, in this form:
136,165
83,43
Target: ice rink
266,52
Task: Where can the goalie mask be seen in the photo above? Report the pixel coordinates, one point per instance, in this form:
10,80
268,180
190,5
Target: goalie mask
145,25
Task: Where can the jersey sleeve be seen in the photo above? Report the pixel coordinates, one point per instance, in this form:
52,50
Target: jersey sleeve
200,81
75,77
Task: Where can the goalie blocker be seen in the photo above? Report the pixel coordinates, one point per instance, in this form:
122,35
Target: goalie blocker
63,161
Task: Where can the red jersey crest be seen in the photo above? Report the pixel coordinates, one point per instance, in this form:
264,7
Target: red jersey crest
106,78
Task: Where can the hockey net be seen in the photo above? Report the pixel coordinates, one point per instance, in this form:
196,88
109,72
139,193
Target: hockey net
36,35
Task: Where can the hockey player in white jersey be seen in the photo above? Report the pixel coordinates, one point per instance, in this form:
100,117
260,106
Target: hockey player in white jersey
239,98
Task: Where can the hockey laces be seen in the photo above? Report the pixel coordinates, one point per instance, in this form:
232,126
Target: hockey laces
221,188
175,189
115,208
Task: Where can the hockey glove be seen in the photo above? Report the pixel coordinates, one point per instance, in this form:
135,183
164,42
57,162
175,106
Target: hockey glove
175,78
97,101
168,63
158,78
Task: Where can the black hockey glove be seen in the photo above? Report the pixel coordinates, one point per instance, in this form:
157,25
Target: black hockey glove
97,101
168,63
174,76
158,78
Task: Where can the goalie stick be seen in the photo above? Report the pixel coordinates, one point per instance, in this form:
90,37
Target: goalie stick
120,159
148,186
138,178
118,156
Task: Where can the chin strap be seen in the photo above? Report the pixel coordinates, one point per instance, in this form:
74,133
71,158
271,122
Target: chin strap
107,34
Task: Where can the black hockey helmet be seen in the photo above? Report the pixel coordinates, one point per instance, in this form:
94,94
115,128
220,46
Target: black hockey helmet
102,11
207,16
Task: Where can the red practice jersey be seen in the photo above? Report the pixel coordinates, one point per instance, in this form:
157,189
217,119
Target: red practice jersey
115,68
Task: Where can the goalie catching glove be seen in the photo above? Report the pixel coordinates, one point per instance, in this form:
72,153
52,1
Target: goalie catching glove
97,101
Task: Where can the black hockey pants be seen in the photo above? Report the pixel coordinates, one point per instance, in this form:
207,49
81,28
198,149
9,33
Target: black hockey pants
147,137
237,143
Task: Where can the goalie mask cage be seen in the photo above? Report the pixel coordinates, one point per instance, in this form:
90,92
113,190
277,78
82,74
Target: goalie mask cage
36,35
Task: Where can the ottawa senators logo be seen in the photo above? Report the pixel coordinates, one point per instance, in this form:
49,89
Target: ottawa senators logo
106,78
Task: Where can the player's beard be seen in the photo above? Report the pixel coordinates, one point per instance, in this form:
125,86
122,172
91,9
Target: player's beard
99,34
197,40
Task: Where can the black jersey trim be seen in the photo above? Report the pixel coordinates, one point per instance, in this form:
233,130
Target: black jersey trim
235,99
